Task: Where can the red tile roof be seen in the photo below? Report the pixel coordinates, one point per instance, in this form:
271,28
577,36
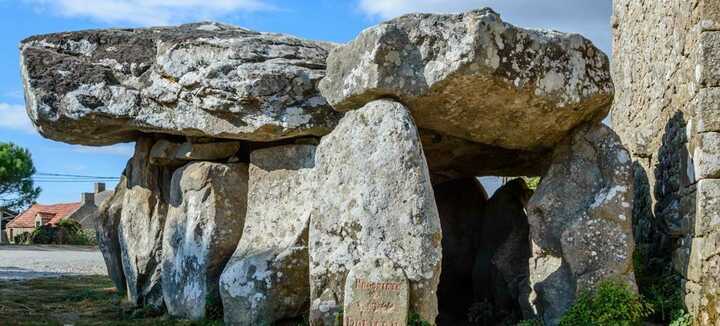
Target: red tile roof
58,212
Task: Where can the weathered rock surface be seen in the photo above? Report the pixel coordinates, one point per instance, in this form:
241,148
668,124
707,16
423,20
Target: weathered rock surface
460,204
144,209
475,77
451,157
101,87
373,198
109,215
500,273
167,152
204,224
267,278
579,219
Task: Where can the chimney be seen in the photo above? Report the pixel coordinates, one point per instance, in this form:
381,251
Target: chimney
99,187
87,198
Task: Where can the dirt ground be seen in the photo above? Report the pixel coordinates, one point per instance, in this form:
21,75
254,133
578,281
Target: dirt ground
27,262
73,300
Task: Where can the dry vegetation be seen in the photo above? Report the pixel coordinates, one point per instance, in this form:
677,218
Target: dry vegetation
86,300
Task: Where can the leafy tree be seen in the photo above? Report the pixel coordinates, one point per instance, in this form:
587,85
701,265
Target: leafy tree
17,190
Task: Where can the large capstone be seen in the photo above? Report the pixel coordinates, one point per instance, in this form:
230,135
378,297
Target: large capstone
144,209
475,77
373,198
266,280
579,219
101,87
203,226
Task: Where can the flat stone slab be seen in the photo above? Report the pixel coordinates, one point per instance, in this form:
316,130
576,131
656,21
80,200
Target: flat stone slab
376,293
100,87
475,77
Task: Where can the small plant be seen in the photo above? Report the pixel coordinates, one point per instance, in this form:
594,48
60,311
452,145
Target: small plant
339,316
612,303
532,183
530,322
416,320
660,286
681,318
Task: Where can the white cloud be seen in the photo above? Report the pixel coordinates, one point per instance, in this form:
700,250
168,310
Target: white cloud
15,117
125,150
150,12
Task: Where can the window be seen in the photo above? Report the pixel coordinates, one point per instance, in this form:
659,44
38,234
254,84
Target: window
38,224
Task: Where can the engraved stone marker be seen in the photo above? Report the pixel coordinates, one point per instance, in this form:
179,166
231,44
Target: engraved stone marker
376,294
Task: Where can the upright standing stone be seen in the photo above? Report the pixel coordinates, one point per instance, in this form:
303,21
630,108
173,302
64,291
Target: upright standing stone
376,293
267,278
203,227
109,215
373,198
579,219
142,220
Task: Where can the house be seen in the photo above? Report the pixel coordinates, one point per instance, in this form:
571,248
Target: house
85,212
38,215
5,216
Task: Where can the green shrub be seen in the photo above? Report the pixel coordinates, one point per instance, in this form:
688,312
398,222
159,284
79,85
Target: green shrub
611,303
83,237
22,238
65,232
44,234
416,320
681,318
660,286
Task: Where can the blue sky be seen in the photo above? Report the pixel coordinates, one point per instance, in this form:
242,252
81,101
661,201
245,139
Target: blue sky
330,20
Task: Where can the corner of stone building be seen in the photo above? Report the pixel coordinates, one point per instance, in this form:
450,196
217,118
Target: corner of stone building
667,110
703,265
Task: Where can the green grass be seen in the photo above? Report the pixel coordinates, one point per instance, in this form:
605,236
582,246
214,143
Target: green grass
86,300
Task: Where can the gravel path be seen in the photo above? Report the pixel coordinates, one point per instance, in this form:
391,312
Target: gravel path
26,262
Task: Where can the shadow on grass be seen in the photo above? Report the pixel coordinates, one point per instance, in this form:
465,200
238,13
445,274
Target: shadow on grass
76,300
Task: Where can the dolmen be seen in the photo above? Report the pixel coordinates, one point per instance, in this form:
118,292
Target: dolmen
277,179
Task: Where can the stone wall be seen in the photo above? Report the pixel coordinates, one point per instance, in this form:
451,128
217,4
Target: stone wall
666,111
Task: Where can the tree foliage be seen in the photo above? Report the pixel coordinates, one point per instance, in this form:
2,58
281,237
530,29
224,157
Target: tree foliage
17,190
